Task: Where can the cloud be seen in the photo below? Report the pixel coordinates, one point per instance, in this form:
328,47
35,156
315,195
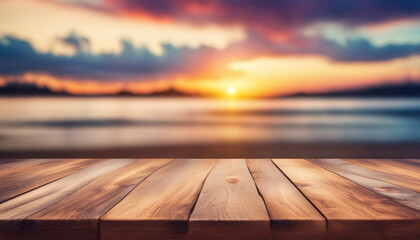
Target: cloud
361,50
271,16
273,27
18,57
354,11
132,63
352,50
79,43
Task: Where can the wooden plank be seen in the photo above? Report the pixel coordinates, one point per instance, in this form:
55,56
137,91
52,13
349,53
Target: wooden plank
229,206
375,181
76,217
404,172
352,211
22,176
160,206
96,198
9,167
10,163
292,215
38,199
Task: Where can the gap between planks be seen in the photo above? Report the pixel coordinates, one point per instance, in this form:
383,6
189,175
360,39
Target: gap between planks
375,181
299,188
76,216
352,211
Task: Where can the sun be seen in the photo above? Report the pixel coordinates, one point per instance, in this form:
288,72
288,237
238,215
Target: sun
231,90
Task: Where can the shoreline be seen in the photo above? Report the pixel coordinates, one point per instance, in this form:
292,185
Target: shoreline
236,150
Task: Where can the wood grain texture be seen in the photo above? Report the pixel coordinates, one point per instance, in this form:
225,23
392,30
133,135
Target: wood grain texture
292,215
77,216
13,163
402,172
95,199
160,206
45,196
17,177
352,211
375,181
229,206
154,198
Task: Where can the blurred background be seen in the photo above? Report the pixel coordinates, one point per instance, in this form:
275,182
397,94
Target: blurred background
104,78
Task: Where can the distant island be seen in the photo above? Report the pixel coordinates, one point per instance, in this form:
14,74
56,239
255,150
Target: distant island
29,89
406,89
16,89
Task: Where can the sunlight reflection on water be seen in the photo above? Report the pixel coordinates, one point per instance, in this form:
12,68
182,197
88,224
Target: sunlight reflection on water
77,123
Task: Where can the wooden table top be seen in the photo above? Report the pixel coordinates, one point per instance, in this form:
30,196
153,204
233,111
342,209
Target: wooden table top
209,199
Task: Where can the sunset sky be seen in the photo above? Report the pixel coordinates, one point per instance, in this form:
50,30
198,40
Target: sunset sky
245,47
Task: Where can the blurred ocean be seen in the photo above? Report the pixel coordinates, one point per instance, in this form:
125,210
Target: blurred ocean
45,124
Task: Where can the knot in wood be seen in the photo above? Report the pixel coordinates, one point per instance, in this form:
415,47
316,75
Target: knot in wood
232,179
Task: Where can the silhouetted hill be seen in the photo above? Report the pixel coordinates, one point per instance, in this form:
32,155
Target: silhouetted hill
12,89
407,89
171,92
21,89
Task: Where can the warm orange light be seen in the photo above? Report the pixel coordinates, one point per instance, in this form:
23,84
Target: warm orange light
231,90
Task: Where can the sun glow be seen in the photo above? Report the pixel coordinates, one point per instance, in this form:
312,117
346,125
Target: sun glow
231,90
